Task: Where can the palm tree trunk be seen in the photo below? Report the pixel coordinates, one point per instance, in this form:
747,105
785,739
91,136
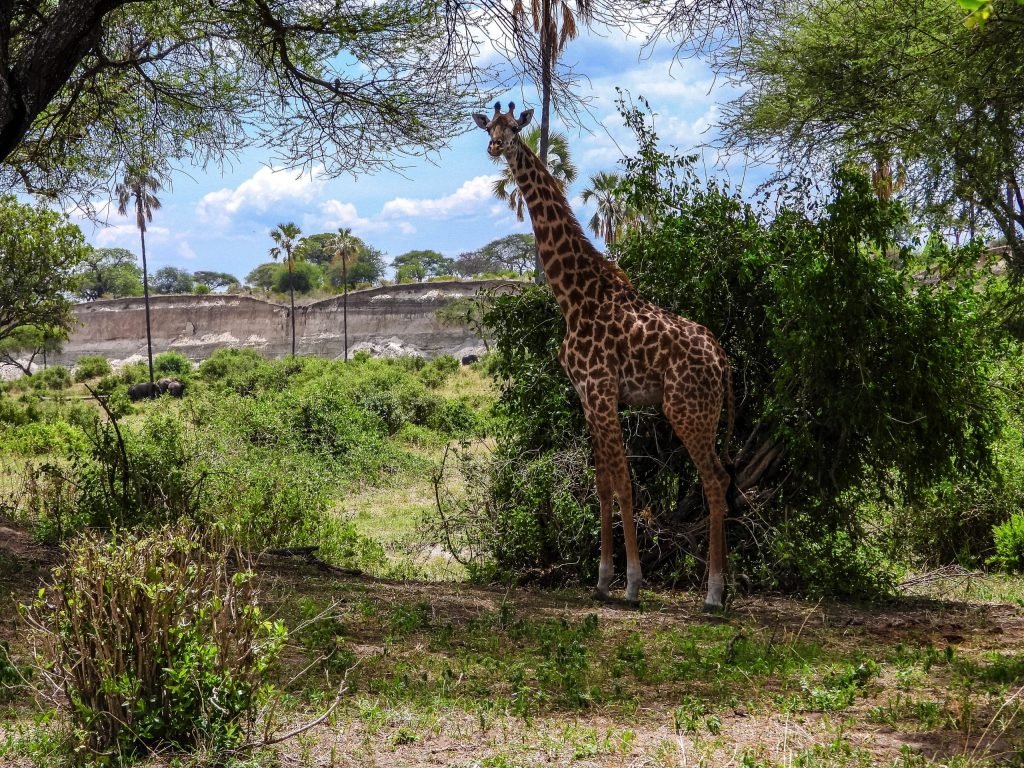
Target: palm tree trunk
547,47
344,303
291,292
145,294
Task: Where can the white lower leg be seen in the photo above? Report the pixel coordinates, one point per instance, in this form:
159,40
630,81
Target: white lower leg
716,592
634,578
605,572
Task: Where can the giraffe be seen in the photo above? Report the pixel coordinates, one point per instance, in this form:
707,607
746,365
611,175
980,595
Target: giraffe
621,349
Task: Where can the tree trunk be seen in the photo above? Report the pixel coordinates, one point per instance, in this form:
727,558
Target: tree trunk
344,303
33,76
547,47
145,294
291,293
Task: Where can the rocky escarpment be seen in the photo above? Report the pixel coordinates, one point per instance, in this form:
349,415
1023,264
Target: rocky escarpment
403,315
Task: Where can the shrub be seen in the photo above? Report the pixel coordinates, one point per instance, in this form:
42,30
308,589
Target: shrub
1009,544
154,641
12,412
91,366
55,377
38,438
171,364
133,373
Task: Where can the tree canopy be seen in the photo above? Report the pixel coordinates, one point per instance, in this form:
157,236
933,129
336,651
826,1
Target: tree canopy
39,252
108,273
419,265
914,96
173,280
214,280
341,85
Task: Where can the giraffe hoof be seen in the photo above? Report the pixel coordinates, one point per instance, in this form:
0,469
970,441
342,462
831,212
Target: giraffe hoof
601,597
633,604
713,608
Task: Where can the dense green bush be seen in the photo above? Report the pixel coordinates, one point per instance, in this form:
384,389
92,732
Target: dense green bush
851,377
183,659
91,367
261,453
54,377
173,364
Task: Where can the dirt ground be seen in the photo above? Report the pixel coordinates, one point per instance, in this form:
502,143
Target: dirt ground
943,682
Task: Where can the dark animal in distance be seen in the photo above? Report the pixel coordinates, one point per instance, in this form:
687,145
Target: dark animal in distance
470,359
144,389
173,387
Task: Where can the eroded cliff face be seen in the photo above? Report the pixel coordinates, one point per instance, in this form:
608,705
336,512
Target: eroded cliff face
199,325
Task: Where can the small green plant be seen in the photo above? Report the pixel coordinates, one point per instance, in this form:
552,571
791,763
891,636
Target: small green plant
1009,544
181,662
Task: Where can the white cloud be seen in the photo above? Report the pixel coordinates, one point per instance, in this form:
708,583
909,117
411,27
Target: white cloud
185,251
127,235
336,214
472,197
259,192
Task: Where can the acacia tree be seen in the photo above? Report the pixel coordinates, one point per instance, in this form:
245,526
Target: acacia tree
109,272
285,237
214,280
914,95
343,85
140,185
173,280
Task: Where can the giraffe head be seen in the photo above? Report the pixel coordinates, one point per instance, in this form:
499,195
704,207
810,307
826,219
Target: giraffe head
503,128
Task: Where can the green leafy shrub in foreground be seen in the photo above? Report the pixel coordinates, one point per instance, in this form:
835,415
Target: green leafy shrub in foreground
181,662
55,377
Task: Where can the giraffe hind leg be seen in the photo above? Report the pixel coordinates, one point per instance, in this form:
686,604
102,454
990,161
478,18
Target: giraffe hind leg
697,432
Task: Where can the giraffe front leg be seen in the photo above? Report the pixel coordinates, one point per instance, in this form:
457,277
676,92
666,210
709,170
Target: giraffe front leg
613,484
606,568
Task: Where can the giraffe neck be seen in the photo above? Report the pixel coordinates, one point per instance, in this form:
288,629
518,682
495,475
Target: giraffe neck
567,255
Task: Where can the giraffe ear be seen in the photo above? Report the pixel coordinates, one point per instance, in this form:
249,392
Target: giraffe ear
481,121
525,118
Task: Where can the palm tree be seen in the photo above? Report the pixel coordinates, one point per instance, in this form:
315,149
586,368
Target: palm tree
554,22
561,167
141,185
345,245
285,237
612,215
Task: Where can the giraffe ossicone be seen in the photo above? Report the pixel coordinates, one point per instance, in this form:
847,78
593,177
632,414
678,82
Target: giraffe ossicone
620,348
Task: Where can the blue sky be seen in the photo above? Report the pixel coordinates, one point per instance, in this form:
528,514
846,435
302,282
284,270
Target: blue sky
220,221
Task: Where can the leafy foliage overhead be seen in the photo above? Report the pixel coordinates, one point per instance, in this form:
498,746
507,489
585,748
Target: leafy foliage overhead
915,96
341,84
